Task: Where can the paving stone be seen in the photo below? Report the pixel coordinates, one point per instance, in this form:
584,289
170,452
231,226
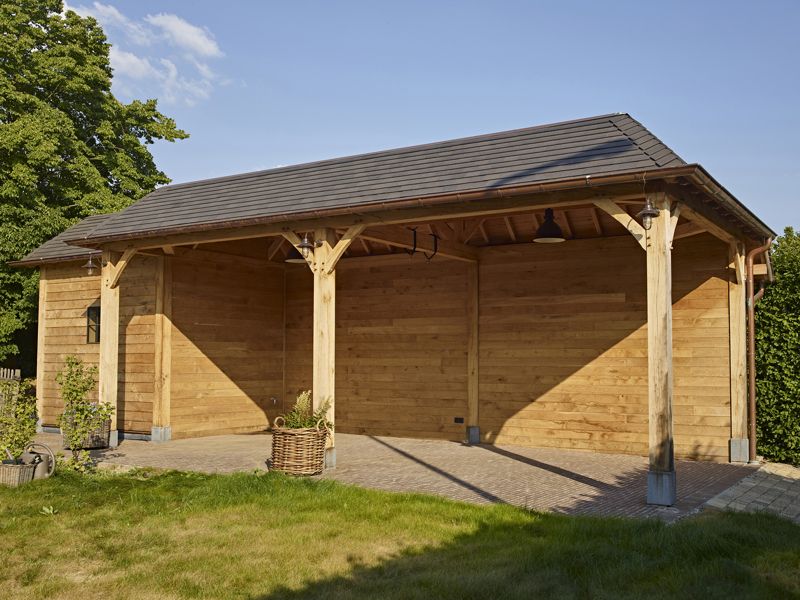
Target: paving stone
561,481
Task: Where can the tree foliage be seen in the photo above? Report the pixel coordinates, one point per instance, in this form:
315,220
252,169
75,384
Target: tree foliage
778,355
68,147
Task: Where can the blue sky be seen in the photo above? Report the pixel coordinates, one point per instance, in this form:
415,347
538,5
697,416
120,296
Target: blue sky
260,84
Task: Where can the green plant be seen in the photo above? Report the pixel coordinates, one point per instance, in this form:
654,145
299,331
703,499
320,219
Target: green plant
80,417
303,414
778,355
17,418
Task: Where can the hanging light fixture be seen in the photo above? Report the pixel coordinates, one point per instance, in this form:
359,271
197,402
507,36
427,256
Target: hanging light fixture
648,213
305,246
295,257
549,232
90,266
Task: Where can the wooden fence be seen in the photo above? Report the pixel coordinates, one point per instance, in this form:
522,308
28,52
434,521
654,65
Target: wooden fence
10,374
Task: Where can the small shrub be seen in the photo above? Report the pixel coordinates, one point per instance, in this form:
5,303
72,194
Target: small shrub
303,415
17,418
778,355
80,417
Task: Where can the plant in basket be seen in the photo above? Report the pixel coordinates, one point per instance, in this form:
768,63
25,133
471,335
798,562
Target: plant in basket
17,429
84,424
299,438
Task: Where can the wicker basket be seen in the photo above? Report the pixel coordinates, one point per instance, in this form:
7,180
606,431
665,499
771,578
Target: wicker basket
15,475
99,438
298,451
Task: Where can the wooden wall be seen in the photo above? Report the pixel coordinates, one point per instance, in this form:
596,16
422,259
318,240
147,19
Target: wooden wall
400,345
227,344
69,291
563,354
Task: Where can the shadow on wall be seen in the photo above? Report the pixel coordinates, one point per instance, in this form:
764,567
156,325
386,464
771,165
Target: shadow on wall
522,555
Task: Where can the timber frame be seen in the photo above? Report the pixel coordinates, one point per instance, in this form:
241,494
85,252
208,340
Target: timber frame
472,232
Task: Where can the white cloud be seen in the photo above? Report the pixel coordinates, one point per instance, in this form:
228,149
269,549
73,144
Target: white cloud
184,35
127,64
171,62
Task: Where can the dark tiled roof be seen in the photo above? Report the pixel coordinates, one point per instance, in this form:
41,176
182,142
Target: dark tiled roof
596,146
56,249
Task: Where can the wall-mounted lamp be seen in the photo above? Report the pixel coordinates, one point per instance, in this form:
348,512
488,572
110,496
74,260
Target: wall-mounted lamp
549,232
305,246
648,213
90,266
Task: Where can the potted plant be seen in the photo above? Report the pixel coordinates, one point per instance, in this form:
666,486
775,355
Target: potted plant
84,424
17,429
299,438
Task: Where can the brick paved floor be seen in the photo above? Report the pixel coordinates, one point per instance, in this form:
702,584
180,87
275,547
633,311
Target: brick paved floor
563,481
774,488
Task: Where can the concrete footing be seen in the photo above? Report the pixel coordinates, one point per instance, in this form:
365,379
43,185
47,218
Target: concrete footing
473,434
330,458
113,439
661,488
160,434
739,450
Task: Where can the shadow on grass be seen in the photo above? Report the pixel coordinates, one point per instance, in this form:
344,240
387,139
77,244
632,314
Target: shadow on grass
717,555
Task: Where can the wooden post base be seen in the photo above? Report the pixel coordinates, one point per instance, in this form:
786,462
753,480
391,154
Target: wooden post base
113,438
473,434
661,488
160,434
330,458
739,450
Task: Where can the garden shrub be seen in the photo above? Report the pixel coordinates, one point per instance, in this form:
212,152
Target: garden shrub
778,355
17,418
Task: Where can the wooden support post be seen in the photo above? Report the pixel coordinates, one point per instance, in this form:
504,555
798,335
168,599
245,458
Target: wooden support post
109,339
161,430
322,262
737,315
661,484
473,427
40,346
324,347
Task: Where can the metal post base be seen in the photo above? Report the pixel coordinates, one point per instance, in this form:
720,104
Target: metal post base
160,434
739,450
473,434
113,439
330,458
661,488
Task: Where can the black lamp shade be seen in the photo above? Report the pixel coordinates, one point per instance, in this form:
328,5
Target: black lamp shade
549,232
295,257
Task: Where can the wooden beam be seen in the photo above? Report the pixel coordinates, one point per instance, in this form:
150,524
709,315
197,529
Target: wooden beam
365,245
469,232
275,247
162,391
119,268
168,249
41,340
622,217
330,260
397,216
510,229
688,229
109,339
403,238
472,353
760,270
443,230
708,225
596,220
661,488
675,214
737,324
562,216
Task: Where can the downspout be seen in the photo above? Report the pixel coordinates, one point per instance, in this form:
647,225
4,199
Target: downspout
752,298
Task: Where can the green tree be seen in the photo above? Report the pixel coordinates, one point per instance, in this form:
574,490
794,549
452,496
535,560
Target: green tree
778,355
68,147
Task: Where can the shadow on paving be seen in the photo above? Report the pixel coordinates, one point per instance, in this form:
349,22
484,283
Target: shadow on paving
711,556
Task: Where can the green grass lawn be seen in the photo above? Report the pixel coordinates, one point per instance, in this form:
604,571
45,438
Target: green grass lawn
177,535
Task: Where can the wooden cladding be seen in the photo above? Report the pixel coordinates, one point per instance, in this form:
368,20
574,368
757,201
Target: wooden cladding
558,350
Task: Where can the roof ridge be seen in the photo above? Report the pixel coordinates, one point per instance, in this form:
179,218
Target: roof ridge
613,121
348,157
